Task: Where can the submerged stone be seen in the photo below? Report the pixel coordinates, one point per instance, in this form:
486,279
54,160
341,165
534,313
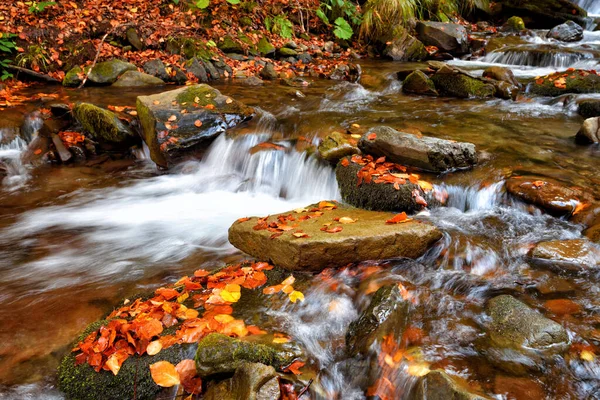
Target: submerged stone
181,119
419,83
425,153
103,125
368,237
568,254
336,146
107,72
448,37
438,385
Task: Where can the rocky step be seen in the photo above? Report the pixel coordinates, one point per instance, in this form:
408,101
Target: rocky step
574,254
329,234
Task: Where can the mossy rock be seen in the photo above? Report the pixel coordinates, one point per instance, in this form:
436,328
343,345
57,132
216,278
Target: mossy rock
137,79
81,382
504,41
264,47
73,77
219,354
402,46
419,83
458,84
577,81
103,125
229,45
336,146
246,21
514,24
107,72
287,52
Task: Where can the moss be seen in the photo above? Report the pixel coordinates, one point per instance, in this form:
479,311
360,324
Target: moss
419,83
148,122
265,47
249,6
72,78
101,123
202,95
246,21
515,24
574,83
286,52
462,86
109,71
229,45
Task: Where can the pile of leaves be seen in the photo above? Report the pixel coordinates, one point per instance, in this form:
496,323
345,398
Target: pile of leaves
559,79
137,327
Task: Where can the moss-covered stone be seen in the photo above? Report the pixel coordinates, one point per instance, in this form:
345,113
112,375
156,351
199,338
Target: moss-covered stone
287,52
229,45
336,146
264,47
514,24
419,83
577,81
103,125
73,77
137,79
81,382
107,72
461,85
438,385
448,37
402,46
246,21
499,42
218,354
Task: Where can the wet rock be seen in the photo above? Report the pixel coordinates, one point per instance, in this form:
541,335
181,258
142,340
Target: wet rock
103,125
251,381
336,146
419,83
73,77
181,119
81,382
515,325
549,195
219,354
578,81
252,81
593,233
450,38
589,108
518,388
287,52
553,285
158,69
426,153
212,71
589,132
107,72
567,32
574,254
513,24
376,196
268,72
134,39
387,313
499,42
346,72
541,14
265,48
455,83
229,45
502,74
137,79
62,151
404,47
367,238
438,385
197,69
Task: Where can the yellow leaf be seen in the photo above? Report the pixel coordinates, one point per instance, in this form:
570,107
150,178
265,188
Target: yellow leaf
296,295
133,9
231,293
280,340
229,100
196,99
426,186
113,364
183,297
356,136
346,220
587,355
355,125
154,348
300,210
420,369
164,374
223,318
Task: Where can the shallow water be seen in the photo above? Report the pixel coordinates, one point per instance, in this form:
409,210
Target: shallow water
76,240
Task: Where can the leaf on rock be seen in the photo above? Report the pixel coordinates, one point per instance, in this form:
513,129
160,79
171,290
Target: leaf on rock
398,219
296,295
164,374
294,367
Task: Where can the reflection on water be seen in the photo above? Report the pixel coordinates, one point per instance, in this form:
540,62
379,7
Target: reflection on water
76,240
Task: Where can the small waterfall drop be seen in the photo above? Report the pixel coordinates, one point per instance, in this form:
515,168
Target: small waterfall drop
591,6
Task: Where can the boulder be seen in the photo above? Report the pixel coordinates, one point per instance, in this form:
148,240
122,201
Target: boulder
456,83
268,72
137,79
501,74
73,77
574,254
229,45
551,196
589,108
265,48
103,125
438,385
134,39
566,32
181,119
450,38
541,14
513,24
197,69
425,153
221,354
387,313
284,52
578,81
515,325
419,83
366,237
336,146
107,72
589,132
158,69
404,47
251,381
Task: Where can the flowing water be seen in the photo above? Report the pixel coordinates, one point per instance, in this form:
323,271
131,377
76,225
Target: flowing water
74,241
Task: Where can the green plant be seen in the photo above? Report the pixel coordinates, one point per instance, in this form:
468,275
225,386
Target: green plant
7,45
34,57
280,25
39,7
345,15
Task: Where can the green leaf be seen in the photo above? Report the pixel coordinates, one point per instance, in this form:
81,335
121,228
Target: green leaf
342,30
321,14
268,23
233,1
211,43
4,48
202,4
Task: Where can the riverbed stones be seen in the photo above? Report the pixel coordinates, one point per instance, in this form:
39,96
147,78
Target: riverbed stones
251,381
566,32
438,385
221,354
589,132
448,37
182,119
364,236
578,81
419,83
456,83
107,72
137,79
501,74
336,146
574,254
513,324
551,196
589,108
425,153
102,125
387,313
404,47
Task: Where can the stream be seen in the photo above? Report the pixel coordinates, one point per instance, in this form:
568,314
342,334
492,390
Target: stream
76,240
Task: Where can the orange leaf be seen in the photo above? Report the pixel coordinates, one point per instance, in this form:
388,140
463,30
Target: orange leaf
372,136
190,380
164,374
295,367
398,218
198,123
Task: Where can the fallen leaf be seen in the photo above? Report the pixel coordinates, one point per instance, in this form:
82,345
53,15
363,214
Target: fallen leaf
198,123
164,374
346,220
372,136
154,348
173,118
398,218
295,296
294,367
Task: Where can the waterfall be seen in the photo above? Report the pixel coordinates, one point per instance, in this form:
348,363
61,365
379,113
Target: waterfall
591,6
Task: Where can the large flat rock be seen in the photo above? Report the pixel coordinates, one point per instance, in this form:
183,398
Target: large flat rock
369,237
